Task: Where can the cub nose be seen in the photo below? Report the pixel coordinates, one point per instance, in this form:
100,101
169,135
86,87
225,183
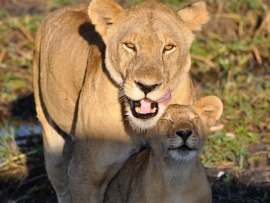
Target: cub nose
146,88
184,134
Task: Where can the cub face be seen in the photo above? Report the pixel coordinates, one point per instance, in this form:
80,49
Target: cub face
182,130
147,52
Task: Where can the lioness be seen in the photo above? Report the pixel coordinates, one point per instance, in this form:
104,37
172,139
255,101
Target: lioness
100,73
170,171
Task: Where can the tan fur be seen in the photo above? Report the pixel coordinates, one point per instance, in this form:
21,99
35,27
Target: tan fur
82,80
164,173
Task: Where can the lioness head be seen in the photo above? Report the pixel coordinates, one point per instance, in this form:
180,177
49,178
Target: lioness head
182,129
147,52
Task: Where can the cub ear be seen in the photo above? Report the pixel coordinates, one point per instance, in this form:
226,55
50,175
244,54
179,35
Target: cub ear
209,109
103,14
194,15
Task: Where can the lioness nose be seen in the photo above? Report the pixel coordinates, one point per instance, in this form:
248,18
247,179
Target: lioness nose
146,88
184,134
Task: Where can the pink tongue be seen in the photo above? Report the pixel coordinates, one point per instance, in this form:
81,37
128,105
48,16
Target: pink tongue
166,98
145,106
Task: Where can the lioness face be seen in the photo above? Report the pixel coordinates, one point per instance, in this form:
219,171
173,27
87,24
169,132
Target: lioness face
182,133
147,52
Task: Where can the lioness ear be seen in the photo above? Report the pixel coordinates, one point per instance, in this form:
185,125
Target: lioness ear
194,15
209,109
103,14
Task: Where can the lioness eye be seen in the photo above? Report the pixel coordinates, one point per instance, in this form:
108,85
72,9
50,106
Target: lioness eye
169,48
129,46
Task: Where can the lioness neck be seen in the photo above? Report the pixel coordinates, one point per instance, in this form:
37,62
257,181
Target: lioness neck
184,92
104,104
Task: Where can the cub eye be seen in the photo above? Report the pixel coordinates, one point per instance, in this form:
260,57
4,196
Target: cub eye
165,121
195,119
129,46
169,48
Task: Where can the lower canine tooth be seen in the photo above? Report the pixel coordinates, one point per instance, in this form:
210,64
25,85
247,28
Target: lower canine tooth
137,109
153,110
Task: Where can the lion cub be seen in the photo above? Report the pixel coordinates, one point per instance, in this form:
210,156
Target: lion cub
170,170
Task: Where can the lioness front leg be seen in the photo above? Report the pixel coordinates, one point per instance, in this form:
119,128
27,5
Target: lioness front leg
56,152
80,184
93,166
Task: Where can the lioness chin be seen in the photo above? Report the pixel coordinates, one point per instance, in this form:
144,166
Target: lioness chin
101,73
170,171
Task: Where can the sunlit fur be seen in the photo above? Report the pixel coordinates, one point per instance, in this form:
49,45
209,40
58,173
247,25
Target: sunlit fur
146,26
83,78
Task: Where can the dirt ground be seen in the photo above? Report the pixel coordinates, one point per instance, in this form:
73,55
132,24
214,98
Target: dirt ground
248,185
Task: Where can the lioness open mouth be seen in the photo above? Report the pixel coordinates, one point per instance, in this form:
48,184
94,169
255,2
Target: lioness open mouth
144,108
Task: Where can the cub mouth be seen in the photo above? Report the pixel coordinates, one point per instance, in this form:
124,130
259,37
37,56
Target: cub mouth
144,108
183,148
183,153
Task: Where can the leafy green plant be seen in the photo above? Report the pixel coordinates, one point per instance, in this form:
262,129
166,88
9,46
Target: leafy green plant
12,161
58,3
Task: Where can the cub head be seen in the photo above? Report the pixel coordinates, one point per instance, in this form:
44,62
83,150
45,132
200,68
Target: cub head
181,131
147,52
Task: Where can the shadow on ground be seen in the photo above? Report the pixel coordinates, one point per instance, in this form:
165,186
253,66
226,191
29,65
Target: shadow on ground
249,185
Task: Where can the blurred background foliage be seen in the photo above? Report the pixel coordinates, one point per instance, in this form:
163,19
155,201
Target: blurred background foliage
230,59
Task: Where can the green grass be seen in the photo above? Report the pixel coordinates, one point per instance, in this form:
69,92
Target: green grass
239,60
